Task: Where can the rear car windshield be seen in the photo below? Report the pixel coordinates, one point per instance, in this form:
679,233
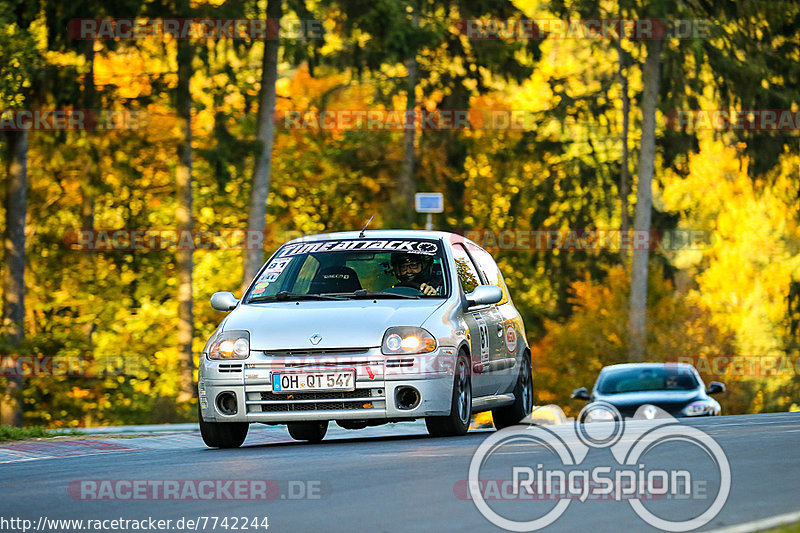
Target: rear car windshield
351,268
646,379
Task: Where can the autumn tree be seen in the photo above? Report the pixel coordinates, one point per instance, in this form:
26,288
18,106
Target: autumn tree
19,62
265,134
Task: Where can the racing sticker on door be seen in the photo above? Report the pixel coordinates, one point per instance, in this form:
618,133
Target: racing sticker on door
270,274
511,339
483,330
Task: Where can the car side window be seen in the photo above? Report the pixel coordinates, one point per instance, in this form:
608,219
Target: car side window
467,273
490,270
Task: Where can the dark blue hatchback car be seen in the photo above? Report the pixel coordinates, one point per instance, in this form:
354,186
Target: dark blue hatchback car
672,387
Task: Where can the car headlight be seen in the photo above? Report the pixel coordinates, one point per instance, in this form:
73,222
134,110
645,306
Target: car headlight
600,414
407,340
233,344
698,408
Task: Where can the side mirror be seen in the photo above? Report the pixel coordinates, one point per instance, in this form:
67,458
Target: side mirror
715,387
484,295
581,394
223,301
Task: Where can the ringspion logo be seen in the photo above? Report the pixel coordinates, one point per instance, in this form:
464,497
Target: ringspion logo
569,478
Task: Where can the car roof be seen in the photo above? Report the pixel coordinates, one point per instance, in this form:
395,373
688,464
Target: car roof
385,234
623,366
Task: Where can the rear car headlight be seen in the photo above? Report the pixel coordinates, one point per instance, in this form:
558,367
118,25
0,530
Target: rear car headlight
697,408
233,344
403,340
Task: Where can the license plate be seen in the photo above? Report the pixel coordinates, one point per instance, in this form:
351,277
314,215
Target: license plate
313,381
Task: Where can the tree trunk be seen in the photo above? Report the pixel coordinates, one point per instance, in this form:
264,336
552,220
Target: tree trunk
259,196
14,266
90,184
644,200
184,220
624,179
406,187
91,170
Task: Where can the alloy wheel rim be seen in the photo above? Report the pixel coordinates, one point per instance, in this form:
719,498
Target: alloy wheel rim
463,393
527,392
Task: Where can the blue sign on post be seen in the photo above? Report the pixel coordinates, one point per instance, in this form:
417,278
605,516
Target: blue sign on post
429,202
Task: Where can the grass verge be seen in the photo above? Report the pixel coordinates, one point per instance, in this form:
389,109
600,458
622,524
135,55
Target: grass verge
14,433
788,528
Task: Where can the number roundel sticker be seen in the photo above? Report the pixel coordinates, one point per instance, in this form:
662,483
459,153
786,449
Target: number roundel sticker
511,339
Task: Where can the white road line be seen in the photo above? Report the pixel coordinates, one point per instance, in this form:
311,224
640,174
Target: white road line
42,457
760,525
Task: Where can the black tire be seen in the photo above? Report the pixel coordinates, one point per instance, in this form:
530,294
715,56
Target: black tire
222,434
513,414
309,431
457,422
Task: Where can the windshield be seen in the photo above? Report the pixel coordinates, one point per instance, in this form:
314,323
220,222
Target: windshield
647,379
354,268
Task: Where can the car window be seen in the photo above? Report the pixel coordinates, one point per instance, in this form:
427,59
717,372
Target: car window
467,274
397,266
306,275
490,270
647,379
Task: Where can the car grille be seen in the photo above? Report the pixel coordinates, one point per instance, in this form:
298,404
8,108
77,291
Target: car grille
315,352
399,363
329,364
673,409
223,367
359,399
326,395
290,408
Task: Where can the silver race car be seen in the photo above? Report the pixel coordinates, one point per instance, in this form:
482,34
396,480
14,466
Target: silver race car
363,329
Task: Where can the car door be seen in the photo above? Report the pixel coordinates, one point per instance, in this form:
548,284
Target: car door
504,326
479,323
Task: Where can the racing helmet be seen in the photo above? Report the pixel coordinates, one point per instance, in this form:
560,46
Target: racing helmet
423,276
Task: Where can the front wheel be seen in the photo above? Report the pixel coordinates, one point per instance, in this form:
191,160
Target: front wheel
222,434
513,414
309,431
457,422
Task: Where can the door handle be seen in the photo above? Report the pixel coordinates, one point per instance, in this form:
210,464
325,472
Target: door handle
499,330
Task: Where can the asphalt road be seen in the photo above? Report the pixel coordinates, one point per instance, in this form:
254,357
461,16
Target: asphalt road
389,478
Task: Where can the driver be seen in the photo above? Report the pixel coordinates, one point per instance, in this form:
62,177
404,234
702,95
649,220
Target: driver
414,270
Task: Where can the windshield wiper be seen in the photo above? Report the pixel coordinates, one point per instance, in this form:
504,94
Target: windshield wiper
364,293
283,296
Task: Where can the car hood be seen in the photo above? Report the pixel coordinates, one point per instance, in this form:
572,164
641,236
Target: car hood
660,398
344,324
643,397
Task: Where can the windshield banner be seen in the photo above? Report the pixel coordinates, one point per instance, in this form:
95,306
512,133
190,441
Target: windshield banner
361,245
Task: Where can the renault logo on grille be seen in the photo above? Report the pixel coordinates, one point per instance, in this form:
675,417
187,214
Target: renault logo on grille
315,338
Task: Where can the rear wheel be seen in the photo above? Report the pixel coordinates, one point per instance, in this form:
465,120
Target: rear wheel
457,422
513,414
309,431
222,434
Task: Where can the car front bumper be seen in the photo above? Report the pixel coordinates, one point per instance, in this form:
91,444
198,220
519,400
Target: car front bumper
379,378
